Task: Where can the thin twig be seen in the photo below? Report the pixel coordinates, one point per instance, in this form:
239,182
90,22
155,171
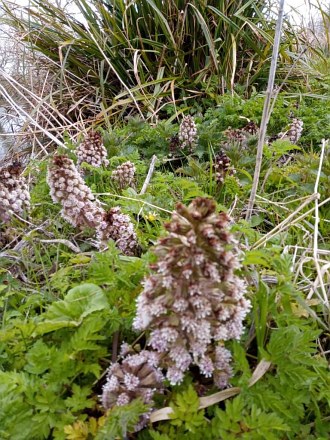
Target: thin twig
66,243
285,79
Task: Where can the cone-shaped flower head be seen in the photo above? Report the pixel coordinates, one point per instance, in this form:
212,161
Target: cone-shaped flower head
136,376
295,131
117,226
67,187
251,128
194,298
124,174
235,135
188,133
92,151
14,192
222,167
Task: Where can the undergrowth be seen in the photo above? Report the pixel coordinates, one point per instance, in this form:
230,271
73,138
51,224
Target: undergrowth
65,306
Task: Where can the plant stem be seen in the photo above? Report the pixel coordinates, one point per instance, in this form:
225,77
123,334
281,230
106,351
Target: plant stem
149,175
266,113
115,341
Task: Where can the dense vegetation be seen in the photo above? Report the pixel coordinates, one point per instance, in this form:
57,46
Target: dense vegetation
67,303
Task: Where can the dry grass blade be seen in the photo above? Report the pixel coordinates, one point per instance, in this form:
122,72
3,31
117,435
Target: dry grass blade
285,223
205,402
118,46
316,230
67,243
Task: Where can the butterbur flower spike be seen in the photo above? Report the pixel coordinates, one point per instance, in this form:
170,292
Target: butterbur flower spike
136,376
124,174
235,135
92,151
251,128
117,226
194,300
222,167
80,208
295,131
14,192
188,133
67,187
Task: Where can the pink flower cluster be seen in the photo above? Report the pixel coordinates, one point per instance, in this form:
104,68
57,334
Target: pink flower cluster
14,192
124,174
295,130
240,137
118,227
136,376
92,151
81,208
222,167
194,300
188,133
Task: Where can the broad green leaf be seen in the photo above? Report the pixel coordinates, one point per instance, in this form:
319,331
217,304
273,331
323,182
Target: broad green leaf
80,302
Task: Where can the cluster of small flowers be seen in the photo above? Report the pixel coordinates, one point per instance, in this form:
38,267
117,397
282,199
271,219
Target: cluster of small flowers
67,187
222,167
235,135
251,128
80,208
295,131
240,136
273,138
124,174
92,151
117,226
193,300
136,376
292,134
14,192
188,133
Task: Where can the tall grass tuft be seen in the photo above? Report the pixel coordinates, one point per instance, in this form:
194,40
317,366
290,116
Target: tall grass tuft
139,55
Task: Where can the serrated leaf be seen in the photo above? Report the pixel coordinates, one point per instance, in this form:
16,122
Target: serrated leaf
80,302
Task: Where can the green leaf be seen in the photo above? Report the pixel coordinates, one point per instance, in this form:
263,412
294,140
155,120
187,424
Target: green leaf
79,399
80,302
259,257
122,420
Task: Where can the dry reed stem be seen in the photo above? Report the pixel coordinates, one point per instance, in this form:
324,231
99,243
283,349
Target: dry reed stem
27,92
266,110
66,243
316,229
285,223
149,175
144,202
20,111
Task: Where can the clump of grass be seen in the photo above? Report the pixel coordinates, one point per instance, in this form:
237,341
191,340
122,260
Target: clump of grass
140,55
